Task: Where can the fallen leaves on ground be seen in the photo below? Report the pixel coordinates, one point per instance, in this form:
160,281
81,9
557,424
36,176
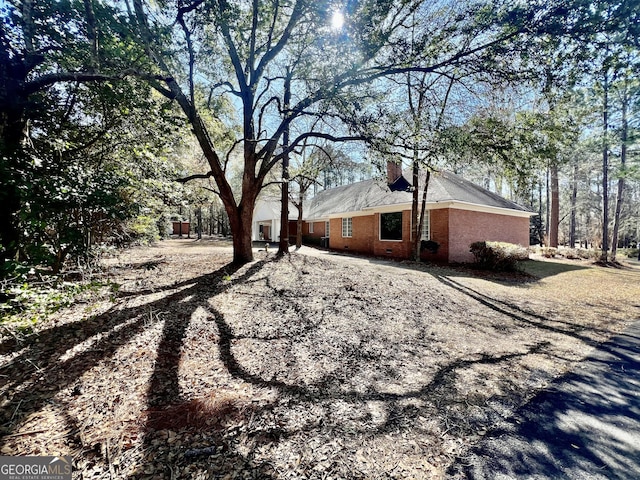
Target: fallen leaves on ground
305,367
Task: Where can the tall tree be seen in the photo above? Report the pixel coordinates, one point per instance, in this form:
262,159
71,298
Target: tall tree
50,52
283,247
244,49
628,90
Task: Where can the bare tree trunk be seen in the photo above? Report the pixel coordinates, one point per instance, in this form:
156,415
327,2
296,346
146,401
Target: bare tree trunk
554,218
199,217
423,207
623,164
574,198
299,222
548,209
415,223
241,222
605,170
540,225
211,220
283,248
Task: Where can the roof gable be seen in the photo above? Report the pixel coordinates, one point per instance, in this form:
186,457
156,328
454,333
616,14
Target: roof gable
268,208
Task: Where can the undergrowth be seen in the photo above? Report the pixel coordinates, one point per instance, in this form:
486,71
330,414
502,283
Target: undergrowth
29,296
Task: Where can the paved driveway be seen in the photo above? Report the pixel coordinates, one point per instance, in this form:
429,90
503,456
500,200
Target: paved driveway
587,426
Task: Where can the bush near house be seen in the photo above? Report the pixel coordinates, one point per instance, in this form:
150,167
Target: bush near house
578,254
498,256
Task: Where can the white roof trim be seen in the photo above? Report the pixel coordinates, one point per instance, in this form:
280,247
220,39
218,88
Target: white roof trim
396,207
455,204
475,207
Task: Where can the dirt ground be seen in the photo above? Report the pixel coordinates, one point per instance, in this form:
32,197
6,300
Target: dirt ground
315,366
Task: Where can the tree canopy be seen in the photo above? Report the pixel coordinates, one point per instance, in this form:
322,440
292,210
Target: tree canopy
254,81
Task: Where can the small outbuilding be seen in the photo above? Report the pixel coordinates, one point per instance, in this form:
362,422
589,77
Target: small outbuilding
180,228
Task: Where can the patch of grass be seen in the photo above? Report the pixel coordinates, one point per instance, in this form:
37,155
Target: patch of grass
542,269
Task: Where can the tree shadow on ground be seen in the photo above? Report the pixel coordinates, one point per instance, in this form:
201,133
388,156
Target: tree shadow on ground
543,269
528,271
517,313
45,365
582,427
585,426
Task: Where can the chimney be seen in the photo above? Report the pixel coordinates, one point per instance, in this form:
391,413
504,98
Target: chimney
394,171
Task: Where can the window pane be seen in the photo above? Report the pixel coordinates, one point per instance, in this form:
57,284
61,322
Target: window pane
391,226
347,227
326,229
426,232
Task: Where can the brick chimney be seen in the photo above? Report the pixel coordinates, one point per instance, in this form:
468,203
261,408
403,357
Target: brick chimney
394,171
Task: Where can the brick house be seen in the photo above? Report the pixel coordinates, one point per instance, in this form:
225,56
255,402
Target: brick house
373,217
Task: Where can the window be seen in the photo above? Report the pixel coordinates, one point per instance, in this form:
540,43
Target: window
426,226
347,227
391,226
311,227
326,229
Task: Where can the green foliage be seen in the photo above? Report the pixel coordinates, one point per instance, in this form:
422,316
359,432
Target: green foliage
29,297
101,173
498,256
144,229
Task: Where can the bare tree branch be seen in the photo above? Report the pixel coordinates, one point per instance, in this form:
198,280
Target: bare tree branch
194,177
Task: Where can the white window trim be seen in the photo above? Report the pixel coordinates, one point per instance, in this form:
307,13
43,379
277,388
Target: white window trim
346,225
426,223
310,227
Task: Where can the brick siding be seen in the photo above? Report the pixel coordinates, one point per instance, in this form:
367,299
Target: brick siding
393,248
318,229
466,227
454,231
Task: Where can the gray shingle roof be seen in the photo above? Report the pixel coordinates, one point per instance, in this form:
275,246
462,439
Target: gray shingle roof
443,187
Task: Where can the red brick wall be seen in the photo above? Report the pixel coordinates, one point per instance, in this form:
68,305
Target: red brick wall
362,239
466,227
391,248
318,229
366,237
454,231
440,234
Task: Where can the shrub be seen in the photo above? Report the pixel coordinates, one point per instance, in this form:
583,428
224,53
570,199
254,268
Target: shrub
549,252
31,297
498,256
311,240
578,253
